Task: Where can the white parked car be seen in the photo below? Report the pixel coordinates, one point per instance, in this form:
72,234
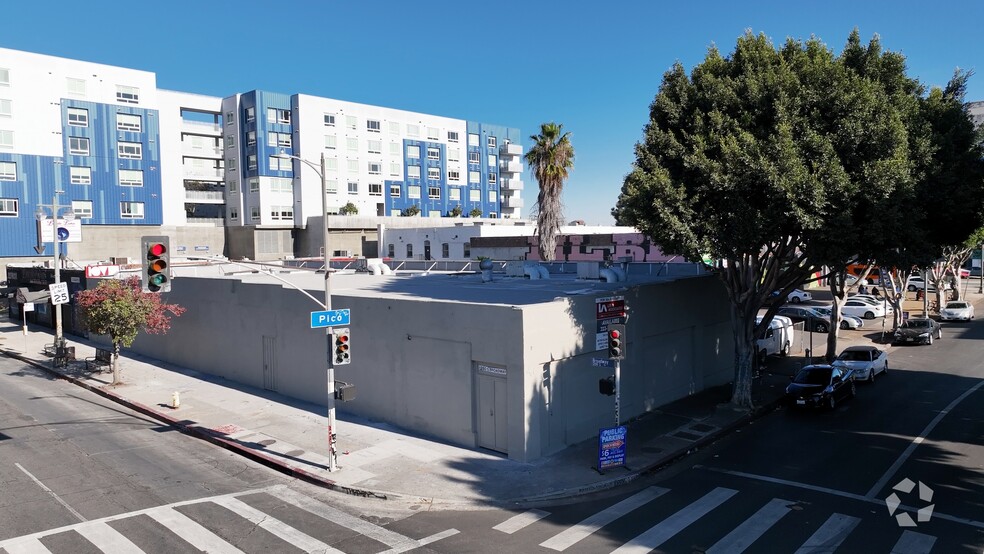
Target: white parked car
798,296
847,321
860,308
957,309
866,361
915,282
875,301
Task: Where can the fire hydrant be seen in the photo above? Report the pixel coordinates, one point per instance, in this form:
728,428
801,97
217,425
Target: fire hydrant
175,400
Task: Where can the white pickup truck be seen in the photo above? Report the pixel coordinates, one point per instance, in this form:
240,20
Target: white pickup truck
778,337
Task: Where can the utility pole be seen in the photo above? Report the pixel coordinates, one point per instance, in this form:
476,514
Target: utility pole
41,216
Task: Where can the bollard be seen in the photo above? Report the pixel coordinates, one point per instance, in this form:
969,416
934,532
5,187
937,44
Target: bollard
175,400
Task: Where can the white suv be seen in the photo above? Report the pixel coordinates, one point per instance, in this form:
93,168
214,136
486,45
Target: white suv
915,282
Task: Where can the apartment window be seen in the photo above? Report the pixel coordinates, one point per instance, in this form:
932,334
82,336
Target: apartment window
8,171
445,250
394,149
8,207
281,213
375,168
413,191
250,115
331,186
251,163
454,155
390,251
281,184
351,122
375,189
491,141
80,175
129,122
413,152
375,147
454,194
394,127
373,125
352,165
254,185
492,160
434,192
132,210
76,145
329,120
276,115
234,213
433,133
131,178
433,153
4,77
474,177
473,139
78,117
254,213
434,173
230,141
352,144
5,108
230,164
282,140
474,158
130,150
493,215
230,118
82,208
475,195
492,178
452,136
413,130
413,171
277,163
331,141
128,95
353,187
395,168
251,138
454,175
331,164
395,191
493,197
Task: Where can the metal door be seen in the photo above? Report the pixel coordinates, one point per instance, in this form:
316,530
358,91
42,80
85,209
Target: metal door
492,421
269,363
427,249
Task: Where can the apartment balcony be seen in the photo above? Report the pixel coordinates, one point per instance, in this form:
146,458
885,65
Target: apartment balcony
513,184
201,152
201,128
510,167
203,173
205,196
512,202
206,221
511,149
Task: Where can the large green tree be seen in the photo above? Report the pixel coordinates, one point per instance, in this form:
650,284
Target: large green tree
119,309
763,160
550,159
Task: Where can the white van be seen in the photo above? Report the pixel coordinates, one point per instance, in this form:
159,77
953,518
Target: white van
778,337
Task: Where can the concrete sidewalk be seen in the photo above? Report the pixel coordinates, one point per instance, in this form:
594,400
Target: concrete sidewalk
378,460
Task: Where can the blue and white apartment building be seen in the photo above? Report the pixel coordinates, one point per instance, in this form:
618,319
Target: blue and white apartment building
130,159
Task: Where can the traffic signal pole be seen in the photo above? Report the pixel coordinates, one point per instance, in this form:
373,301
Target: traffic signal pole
618,375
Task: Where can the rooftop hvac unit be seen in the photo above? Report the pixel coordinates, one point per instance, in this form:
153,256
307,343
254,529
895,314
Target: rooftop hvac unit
120,261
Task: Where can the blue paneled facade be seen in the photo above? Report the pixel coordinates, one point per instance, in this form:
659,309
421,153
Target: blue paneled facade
255,113
110,166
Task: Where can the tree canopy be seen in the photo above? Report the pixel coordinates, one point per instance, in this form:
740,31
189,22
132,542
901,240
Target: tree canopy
550,159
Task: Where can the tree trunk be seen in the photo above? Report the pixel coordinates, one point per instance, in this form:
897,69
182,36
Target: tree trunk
837,292
115,364
743,323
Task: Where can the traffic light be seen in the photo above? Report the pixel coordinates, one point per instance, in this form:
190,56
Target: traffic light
342,346
156,264
606,385
616,342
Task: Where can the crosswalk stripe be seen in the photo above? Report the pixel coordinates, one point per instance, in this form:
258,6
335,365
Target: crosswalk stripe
196,535
334,515
519,521
29,545
914,543
412,545
664,530
575,533
107,539
752,528
829,536
289,534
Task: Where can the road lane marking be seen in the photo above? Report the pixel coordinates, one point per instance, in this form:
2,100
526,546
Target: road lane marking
107,539
914,543
575,533
51,492
880,484
520,521
289,534
666,529
830,535
191,531
752,528
29,546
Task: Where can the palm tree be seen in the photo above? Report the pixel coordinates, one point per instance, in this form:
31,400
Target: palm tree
550,158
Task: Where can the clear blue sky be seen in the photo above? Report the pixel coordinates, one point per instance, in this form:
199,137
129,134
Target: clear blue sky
593,66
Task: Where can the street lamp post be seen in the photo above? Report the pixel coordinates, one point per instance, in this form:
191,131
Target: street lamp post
332,450
980,266
41,216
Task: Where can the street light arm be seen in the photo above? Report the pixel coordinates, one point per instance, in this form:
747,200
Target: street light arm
303,161
281,279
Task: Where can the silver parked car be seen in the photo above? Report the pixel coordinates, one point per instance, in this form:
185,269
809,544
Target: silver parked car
847,321
866,361
957,309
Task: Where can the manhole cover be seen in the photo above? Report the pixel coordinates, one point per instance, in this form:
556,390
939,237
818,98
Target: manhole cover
266,442
686,436
295,453
701,427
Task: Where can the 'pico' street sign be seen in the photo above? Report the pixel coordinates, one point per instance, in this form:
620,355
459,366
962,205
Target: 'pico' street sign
330,318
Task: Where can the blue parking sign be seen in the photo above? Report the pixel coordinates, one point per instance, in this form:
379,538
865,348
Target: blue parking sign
611,447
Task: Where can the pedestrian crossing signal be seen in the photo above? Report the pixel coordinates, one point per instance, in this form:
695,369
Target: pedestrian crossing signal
341,354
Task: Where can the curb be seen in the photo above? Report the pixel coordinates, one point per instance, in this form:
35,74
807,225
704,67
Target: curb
205,434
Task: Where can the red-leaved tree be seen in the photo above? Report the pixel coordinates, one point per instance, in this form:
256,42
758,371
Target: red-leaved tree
119,309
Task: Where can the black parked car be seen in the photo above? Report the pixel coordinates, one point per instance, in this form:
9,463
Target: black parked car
820,386
813,321
917,330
